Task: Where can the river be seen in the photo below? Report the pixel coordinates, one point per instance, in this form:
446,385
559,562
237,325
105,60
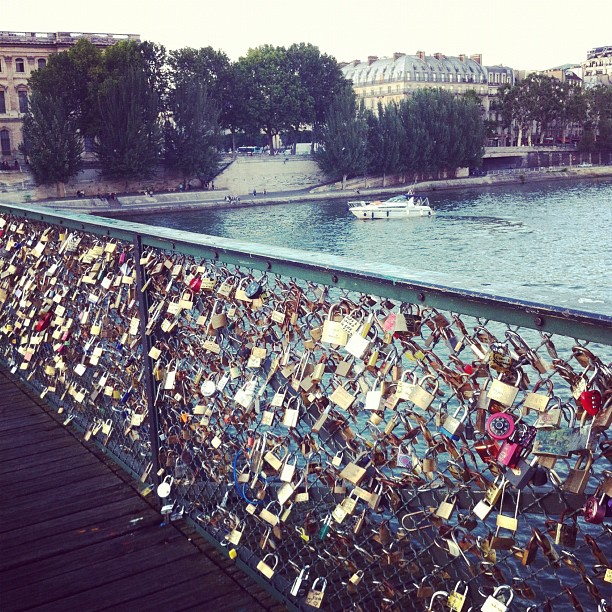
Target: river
549,242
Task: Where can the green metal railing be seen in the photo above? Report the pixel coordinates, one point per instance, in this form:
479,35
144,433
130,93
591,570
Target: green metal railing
343,430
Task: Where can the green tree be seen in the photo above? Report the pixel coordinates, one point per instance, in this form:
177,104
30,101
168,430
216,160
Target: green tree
321,78
192,132
129,137
273,94
344,138
385,137
73,77
53,144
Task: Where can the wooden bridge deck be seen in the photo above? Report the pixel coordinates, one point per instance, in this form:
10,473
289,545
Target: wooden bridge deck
76,535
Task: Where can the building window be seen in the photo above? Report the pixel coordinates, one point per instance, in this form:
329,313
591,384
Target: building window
23,101
19,65
2,102
41,63
408,75
0,65
433,76
442,76
450,78
5,142
389,89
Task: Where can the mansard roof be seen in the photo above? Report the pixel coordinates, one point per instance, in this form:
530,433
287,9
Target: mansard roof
395,68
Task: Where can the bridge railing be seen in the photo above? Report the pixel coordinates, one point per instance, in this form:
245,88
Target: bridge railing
354,438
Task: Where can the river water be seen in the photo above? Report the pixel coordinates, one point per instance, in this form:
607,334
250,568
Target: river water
549,242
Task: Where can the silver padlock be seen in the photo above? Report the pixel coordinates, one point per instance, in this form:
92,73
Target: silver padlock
494,603
453,427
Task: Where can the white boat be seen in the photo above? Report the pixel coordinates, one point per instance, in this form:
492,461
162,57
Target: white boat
397,207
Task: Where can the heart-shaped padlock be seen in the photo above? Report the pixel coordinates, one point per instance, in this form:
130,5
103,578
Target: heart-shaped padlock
591,401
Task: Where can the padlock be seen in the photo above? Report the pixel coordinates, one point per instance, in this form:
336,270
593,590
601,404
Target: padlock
578,476
521,474
597,508
164,488
404,388
316,593
509,523
297,583
500,426
333,333
422,398
453,427
265,568
495,603
456,598
373,397
500,358
591,401
492,494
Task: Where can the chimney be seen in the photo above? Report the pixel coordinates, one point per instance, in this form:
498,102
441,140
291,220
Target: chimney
477,57
372,59
462,57
420,55
356,62
397,55
439,56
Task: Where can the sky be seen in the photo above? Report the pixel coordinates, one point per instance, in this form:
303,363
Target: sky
522,34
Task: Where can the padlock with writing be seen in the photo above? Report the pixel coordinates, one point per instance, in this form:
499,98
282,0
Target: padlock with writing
333,332
315,595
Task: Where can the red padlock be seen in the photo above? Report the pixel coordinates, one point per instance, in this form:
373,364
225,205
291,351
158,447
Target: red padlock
591,401
195,284
44,322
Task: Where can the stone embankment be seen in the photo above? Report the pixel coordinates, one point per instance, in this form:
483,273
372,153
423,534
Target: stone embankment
278,182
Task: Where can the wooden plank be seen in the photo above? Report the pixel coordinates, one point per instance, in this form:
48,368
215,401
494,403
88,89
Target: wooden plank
16,556
27,472
158,554
44,525
28,514
189,596
185,573
59,454
17,420
84,558
41,484
10,442
35,448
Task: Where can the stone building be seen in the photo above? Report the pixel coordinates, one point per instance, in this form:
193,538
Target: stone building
598,66
21,53
390,79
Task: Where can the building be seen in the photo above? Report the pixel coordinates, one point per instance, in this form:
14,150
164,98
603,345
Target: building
391,79
597,69
21,53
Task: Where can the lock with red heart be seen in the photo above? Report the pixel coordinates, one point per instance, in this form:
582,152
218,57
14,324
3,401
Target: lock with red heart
591,401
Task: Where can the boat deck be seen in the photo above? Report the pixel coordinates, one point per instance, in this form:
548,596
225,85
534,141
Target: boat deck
75,534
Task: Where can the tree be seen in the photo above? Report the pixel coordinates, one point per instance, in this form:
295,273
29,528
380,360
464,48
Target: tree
385,135
129,137
344,138
192,132
73,77
321,78
274,95
54,146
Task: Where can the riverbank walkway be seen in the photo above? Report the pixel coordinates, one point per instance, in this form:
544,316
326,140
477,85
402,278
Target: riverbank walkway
75,534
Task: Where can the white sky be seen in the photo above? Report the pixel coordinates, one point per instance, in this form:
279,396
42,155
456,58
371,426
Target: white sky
533,34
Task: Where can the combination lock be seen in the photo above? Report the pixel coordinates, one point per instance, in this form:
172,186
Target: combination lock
500,426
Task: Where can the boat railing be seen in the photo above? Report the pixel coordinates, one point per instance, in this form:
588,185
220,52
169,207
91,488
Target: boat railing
326,423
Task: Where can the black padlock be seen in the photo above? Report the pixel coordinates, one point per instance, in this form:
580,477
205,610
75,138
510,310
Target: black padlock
540,476
253,290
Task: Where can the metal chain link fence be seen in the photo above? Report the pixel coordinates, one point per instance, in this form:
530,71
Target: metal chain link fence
356,451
